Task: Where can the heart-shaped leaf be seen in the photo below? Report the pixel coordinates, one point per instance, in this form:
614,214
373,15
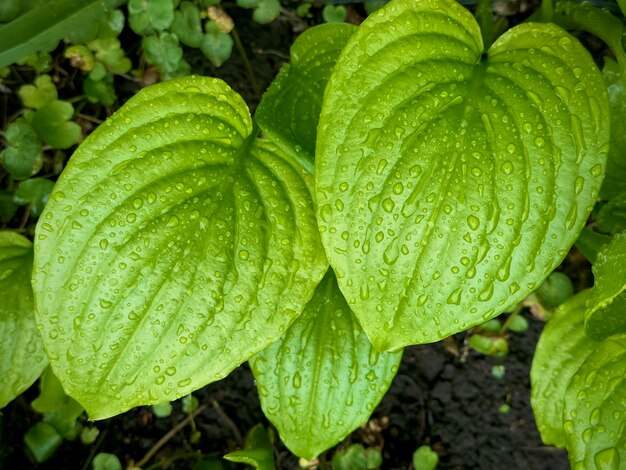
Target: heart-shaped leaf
22,358
594,408
607,304
174,247
290,108
562,348
450,185
323,378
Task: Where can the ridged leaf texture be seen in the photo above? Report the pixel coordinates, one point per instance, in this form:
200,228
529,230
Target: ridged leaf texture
175,246
595,416
607,304
562,348
450,185
290,108
22,358
323,379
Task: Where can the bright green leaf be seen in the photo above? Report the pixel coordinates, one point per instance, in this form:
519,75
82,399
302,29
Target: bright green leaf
322,379
41,28
104,461
52,124
34,191
258,450
424,458
217,47
607,303
438,172
173,248
89,435
22,358
290,108
615,181
612,217
22,157
109,52
266,11
334,13
149,16
162,410
51,394
562,348
594,408
357,457
42,93
186,24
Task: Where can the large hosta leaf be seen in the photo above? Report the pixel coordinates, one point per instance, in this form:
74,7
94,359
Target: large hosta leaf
22,358
450,185
561,350
594,408
322,379
607,304
290,109
173,248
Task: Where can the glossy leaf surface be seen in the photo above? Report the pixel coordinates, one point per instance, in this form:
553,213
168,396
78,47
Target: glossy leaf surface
438,171
22,358
607,305
594,408
290,109
173,248
322,379
562,348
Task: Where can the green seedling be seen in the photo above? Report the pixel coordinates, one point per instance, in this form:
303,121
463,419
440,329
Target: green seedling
88,435
498,371
424,458
104,461
42,441
554,290
489,345
357,456
334,13
150,16
162,410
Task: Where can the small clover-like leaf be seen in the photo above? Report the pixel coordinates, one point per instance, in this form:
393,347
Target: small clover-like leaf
217,47
334,13
290,109
186,24
148,16
562,348
607,304
40,94
52,124
438,171
266,11
165,52
323,378
173,248
22,157
22,358
594,408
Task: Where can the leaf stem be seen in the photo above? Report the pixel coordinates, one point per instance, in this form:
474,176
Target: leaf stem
516,311
246,63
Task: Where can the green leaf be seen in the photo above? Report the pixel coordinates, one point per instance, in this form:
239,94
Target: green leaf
104,461
42,440
162,410
34,191
590,243
42,93
41,28
290,109
101,91
186,24
334,13
612,217
52,124
322,379
258,450
9,9
356,457
217,47
266,11
165,52
594,408
562,348
8,208
607,304
22,157
437,177
174,247
109,52
615,181
149,16
22,358
424,458
555,290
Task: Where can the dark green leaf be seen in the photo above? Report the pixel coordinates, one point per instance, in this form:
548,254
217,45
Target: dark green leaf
186,24
607,305
42,441
356,457
334,13
9,9
41,28
34,191
258,450
52,124
22,358
290,108
555,290
438,175
23,157
217,47
562,348
7,206
174,247
149,16
612,216
104,461
102,91
322,379
590,243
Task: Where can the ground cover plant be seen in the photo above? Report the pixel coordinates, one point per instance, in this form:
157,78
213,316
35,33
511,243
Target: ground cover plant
400,182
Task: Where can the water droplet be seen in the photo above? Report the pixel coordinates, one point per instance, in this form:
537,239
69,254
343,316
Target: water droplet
507,168
388,204
105,303
455,296
596,170
170,371
473,222
104,243
172,222
297,380
607,459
